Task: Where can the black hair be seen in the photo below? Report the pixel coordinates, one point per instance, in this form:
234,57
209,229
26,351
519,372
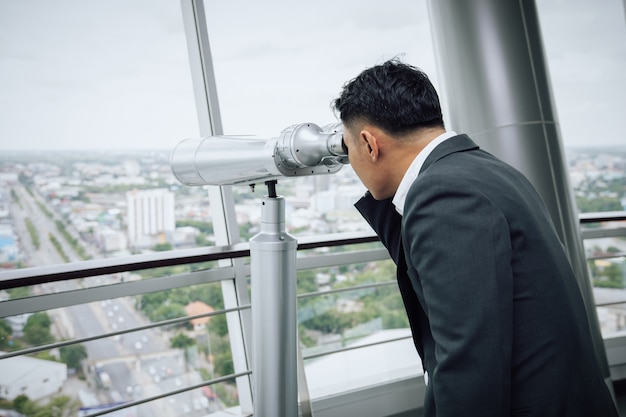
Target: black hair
395,96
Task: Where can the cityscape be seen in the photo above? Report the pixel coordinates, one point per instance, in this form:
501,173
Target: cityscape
70,207
117,204
73,206
131,203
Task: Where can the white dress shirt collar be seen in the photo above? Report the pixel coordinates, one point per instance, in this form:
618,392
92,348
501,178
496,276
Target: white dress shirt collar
414,169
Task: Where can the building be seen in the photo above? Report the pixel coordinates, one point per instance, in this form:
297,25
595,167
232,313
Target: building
195,308
35,378
150,213
111,240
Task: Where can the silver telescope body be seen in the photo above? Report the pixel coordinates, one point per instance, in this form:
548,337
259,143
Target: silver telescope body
299,150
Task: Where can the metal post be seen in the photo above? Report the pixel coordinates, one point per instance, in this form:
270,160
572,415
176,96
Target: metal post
273,276
220,198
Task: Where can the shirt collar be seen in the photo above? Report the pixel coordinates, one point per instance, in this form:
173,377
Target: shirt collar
414,170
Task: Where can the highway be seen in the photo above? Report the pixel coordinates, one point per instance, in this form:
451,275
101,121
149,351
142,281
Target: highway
140,363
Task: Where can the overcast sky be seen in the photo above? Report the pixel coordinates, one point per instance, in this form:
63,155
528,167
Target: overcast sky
114,74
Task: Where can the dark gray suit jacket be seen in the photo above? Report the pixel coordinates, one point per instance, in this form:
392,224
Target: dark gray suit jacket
495,310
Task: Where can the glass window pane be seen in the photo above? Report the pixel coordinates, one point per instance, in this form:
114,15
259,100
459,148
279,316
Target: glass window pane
586,68
135,361
606,263
353,328
93,97
588,84
280,66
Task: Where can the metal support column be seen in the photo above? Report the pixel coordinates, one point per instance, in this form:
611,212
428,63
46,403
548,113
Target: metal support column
274,333
220,198
497,89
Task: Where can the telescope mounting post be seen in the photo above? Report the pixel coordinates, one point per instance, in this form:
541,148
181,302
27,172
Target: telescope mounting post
274,336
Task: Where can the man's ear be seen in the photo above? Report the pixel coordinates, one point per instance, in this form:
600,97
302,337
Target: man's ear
370,140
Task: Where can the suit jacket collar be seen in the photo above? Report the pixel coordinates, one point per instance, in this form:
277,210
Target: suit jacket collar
458,143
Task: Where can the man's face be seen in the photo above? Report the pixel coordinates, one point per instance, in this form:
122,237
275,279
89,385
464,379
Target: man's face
364,163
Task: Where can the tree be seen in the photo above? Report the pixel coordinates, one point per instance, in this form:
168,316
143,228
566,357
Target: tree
598,204
167,312
201,240
306,281
6,333
218,325
37,329
614,274
19,292
223,363
204,227
161,247
23,405
39,319
37,335
61,406
73,355
181,341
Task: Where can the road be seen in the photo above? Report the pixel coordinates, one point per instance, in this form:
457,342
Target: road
140,363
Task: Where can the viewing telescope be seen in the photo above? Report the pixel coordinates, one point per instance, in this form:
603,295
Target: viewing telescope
301,149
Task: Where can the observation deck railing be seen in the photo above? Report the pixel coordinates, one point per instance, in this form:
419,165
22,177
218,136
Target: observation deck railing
593,226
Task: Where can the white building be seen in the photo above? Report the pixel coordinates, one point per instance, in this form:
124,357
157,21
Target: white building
149,214
111,240
35,378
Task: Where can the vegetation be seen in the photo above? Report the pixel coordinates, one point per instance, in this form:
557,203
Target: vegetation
165,305
26,182
601,194
201,240
58,247
19,292
204,227
74,243
598,204
611,276
15,197
161,247
73,355
324,313
32,231
37,329
219,342
60,406
181,341
247,230
44,210
6,335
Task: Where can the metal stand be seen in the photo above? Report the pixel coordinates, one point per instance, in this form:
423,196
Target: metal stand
274,337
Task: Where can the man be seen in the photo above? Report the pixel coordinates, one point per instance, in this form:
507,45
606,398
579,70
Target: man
494,307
